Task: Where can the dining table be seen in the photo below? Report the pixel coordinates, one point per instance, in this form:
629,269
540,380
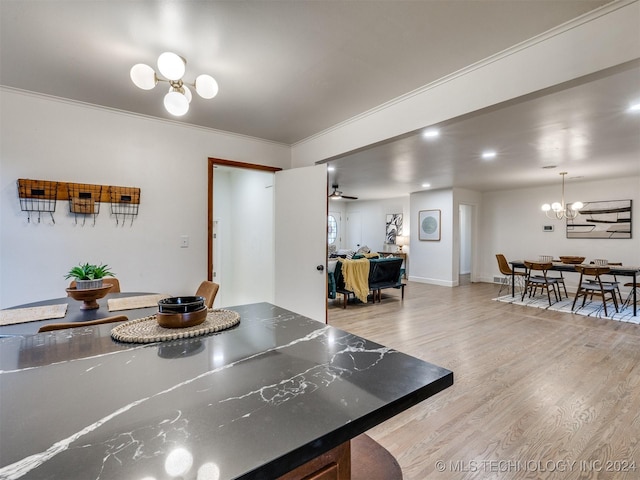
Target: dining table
275,394
74,312
624,271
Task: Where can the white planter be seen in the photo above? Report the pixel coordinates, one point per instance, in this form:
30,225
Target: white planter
88,284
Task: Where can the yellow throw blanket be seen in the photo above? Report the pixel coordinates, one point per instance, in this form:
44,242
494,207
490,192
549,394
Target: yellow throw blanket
356,277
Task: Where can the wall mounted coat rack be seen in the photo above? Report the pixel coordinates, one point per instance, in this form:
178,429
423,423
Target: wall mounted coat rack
84,199
37,196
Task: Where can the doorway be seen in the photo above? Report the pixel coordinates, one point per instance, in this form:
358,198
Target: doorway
273,225
241,234
466,244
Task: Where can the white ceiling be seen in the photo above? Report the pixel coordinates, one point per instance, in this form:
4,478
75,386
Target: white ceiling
583,128
289,69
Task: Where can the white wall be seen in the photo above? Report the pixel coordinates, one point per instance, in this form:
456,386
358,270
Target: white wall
432,261
511,223
51,139
373,216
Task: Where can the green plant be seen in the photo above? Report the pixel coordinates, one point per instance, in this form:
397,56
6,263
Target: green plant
89,272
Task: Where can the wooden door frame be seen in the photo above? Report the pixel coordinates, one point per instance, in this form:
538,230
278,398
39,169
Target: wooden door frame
211,163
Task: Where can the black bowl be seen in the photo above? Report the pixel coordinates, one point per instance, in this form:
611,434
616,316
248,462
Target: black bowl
180,304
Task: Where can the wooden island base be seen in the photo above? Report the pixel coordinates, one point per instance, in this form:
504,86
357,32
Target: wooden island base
361,459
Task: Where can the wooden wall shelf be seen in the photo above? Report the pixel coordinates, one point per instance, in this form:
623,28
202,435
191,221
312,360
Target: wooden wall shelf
26,190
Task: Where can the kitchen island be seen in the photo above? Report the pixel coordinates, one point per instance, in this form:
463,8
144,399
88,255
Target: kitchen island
256,401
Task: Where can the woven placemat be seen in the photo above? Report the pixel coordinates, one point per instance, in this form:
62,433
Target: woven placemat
32,314
147,330
139,301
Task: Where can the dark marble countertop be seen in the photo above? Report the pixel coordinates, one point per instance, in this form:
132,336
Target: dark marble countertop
254,401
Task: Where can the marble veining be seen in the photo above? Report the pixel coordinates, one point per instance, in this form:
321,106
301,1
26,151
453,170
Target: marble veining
18,469
314,377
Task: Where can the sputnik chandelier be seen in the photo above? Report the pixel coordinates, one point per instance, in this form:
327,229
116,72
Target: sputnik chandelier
560,210
172,67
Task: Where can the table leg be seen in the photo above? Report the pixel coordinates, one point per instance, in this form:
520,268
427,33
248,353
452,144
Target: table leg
513,281
635,300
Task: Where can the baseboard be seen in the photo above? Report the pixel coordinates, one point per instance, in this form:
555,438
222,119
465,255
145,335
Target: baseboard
433,281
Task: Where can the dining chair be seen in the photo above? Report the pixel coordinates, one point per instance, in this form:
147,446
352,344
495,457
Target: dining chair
629,300
508,273
591,284
208,290
115,284
59,326
534,281
560,282
614,282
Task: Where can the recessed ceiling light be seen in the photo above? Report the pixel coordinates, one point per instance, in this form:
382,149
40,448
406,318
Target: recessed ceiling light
426,185
634,107
489,154
331,169
431,133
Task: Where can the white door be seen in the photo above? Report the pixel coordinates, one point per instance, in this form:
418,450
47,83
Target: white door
337,218
301,241
217,258
354,231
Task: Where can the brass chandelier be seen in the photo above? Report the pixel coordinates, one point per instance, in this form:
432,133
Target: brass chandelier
560,210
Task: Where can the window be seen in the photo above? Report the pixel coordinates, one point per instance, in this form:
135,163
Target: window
332,229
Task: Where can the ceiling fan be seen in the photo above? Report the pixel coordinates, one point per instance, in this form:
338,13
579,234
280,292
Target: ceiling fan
337,194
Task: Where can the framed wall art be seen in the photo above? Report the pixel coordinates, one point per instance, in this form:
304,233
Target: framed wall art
393,227
606,219
429,225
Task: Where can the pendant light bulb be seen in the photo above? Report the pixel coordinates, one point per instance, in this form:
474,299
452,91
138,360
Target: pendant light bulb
206,86
171,66
143,76
176,103
187,93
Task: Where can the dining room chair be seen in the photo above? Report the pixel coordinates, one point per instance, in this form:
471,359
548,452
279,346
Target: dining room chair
608,281
559,278
60,326
508,274
208,290
540,280
591,284
115,284
629,300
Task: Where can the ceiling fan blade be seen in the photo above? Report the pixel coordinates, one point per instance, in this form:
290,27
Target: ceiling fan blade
338,194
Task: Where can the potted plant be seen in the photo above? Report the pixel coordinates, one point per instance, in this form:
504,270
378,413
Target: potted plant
89,276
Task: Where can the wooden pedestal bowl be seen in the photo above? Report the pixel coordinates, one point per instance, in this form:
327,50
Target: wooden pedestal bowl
571,260
89,296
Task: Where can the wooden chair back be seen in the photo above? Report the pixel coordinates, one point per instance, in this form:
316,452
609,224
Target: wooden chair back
503,265
592,270
59,326
208,290
538,266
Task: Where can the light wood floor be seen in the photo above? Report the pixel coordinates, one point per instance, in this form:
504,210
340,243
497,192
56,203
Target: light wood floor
534,391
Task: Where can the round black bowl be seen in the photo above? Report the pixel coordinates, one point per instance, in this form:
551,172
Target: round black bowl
180,304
